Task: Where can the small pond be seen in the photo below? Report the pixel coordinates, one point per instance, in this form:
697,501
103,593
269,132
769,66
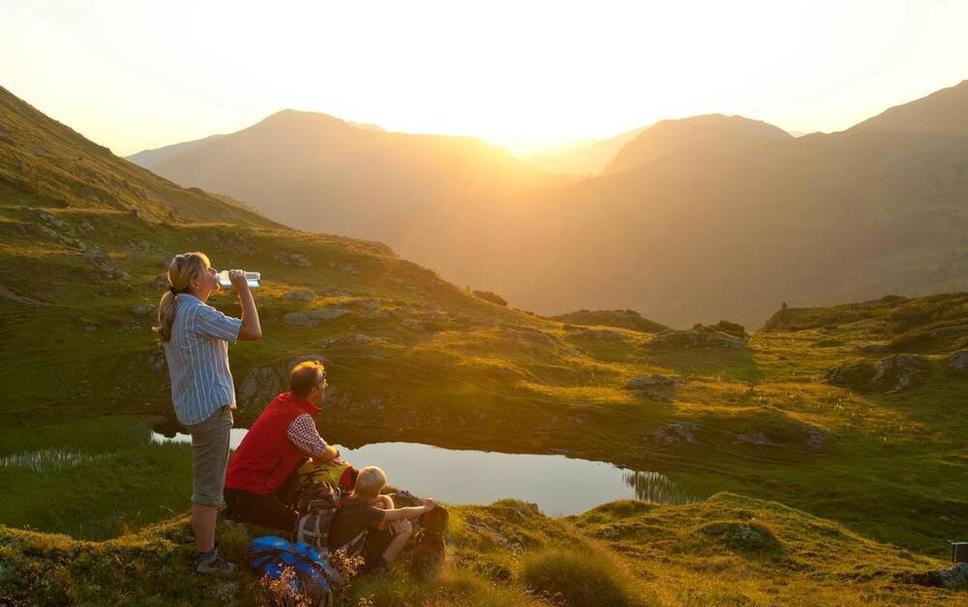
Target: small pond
559,485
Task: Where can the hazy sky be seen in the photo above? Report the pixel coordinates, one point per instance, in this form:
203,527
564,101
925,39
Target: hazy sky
132,74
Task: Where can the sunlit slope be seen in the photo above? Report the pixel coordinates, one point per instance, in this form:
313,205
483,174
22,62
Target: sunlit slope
727,551
41,159
412,357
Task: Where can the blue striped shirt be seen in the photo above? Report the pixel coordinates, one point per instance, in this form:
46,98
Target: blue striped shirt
198,359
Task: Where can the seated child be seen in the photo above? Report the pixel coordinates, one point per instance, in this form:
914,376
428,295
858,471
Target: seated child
386,528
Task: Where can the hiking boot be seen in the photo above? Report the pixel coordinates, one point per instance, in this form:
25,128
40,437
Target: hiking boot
212,563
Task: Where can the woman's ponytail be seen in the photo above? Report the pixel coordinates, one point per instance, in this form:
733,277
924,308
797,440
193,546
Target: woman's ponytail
182,269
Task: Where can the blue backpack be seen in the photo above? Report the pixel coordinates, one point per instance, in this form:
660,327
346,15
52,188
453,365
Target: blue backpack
314,577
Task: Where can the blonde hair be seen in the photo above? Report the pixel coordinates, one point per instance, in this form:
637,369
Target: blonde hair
305,376
370,482
181,270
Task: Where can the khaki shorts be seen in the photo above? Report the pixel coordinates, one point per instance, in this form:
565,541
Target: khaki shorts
210,458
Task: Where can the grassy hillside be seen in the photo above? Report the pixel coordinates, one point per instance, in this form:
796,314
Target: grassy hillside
44,163
412,357
729,550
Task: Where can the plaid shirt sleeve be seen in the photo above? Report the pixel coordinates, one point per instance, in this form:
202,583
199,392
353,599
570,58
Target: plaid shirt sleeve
303,434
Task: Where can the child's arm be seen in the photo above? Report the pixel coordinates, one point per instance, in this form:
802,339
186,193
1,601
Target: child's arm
413,512
383,502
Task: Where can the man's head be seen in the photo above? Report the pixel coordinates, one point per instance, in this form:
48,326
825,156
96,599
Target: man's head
308,380
370,481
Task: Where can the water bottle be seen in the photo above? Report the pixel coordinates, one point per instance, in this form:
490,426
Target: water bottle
253,278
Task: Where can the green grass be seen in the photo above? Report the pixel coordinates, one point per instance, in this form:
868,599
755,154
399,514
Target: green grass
508,553
85,236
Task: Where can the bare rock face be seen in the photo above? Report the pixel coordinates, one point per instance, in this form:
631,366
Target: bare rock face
259,386
891,374
262,384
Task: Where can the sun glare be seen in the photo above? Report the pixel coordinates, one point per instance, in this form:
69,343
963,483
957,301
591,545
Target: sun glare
527,76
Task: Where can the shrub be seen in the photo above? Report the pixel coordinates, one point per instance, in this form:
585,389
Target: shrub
730,328
491,297
573,579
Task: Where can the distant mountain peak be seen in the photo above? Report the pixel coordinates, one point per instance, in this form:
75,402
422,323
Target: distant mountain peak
704,132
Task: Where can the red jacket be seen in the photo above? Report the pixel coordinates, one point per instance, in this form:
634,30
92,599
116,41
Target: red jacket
266,457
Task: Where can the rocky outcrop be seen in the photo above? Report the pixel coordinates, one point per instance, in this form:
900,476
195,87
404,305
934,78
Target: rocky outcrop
696,337
301,295
677,433
658,387
298,319
312,317
299,260
891,374
955,577
262,384
144,310
650,381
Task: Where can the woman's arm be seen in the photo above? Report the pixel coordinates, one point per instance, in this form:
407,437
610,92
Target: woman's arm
251,328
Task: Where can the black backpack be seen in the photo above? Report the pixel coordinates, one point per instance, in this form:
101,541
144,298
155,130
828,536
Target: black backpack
320,508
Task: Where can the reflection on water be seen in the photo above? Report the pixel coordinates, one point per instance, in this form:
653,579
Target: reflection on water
557,484
655,487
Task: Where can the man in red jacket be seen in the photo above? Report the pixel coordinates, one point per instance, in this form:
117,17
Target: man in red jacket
275,446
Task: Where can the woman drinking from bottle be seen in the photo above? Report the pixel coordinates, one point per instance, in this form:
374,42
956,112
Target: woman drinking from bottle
196,337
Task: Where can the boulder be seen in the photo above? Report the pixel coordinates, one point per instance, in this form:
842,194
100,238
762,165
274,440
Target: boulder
899,372
650,381
696,337
330,313
299,295
955,577
958,362
298,319
856,375
677,433
413,324
891,374
144,310
293,259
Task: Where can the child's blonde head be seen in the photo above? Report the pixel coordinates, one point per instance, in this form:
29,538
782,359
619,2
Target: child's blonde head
370,482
